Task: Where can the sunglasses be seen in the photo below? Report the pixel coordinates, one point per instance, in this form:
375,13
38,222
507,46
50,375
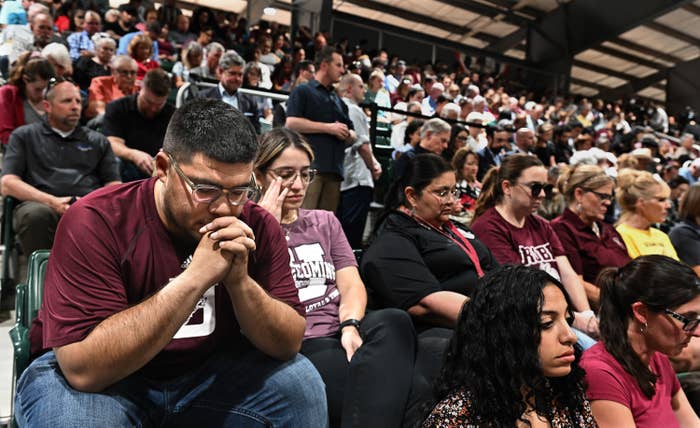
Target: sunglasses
536,188
602,196
689,325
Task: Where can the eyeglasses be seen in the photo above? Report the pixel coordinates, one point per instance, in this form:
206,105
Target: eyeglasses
536,188
289,175
445,193
208,193
689,325
123,72
602,196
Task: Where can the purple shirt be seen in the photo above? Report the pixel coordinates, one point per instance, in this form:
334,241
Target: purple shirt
317,249
534,244
112,251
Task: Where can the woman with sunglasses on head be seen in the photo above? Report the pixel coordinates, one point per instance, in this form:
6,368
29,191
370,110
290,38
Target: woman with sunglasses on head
590,243
367,360
649,312
505,221
512,361
644,200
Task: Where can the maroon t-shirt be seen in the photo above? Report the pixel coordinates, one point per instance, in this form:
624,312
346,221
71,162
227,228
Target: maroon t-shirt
112,251
534,244
587,253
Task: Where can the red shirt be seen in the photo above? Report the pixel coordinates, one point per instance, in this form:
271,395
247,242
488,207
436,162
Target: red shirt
104,88
607,380
11,111
534,244
587,253
112,251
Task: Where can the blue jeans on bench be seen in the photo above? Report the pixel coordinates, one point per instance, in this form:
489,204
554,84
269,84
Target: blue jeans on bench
251,390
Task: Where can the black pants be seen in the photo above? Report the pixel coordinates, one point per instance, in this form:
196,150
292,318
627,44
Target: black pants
371,390
354,206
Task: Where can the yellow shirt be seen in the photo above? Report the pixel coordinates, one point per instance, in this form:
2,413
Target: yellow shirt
644,242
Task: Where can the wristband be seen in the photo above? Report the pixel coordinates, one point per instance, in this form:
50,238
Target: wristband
349,322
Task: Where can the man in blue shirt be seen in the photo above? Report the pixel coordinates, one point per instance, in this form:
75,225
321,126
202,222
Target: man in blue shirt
81,44
316,111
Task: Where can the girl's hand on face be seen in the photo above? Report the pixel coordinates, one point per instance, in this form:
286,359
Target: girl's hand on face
273,199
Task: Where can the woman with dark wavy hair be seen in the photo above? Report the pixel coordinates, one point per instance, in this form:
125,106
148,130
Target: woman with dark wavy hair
512,361
649,312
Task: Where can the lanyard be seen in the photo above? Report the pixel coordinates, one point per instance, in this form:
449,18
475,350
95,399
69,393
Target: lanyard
456,237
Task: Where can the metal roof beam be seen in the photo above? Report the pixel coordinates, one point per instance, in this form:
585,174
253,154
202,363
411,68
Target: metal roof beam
616,53
636,85
602,70
422,19
672,32
692,8
646,50
580,25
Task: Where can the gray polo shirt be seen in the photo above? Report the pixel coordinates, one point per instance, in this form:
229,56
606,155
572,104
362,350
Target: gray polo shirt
71,166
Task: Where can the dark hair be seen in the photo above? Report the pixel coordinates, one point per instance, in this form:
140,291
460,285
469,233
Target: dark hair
657,281
492,129
157,81
420,171
677,181
511,169
212,128
414,126
326,55
460,158
690,205
493,354
32,69
451,149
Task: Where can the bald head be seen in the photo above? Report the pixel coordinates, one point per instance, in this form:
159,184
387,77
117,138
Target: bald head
524,139
351,86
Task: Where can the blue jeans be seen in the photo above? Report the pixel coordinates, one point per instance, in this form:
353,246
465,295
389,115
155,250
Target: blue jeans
250,390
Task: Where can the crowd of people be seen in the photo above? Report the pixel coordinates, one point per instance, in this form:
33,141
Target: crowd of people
535,260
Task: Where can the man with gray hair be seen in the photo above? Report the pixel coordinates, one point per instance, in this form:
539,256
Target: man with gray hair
105,89
524,142
434,138
81,43
212,54
230,71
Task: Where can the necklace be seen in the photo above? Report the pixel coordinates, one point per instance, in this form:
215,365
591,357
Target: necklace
287,223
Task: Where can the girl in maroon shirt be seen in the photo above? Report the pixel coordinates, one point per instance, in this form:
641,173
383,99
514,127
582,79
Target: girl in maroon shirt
505,221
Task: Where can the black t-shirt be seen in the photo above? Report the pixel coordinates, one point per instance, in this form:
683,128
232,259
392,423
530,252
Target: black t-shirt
116,28
123,120
315,102
408,261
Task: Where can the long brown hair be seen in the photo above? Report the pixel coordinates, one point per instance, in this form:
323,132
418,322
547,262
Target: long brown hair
511,169
31,68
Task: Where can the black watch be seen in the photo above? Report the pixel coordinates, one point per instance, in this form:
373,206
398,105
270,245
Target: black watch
349,322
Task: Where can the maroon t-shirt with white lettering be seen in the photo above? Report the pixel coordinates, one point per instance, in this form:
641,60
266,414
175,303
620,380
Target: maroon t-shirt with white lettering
534,244
112,251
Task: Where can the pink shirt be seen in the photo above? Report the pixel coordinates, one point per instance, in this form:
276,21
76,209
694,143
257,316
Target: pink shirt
607,380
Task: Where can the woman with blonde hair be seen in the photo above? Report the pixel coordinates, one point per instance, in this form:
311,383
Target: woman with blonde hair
590,243
644,200
141,50
505,221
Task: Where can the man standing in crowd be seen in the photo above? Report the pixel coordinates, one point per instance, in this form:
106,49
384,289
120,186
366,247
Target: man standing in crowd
497,139
81,44
434,138
105,89
230,79
171,299
50,163
135,125
360,166
315,110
